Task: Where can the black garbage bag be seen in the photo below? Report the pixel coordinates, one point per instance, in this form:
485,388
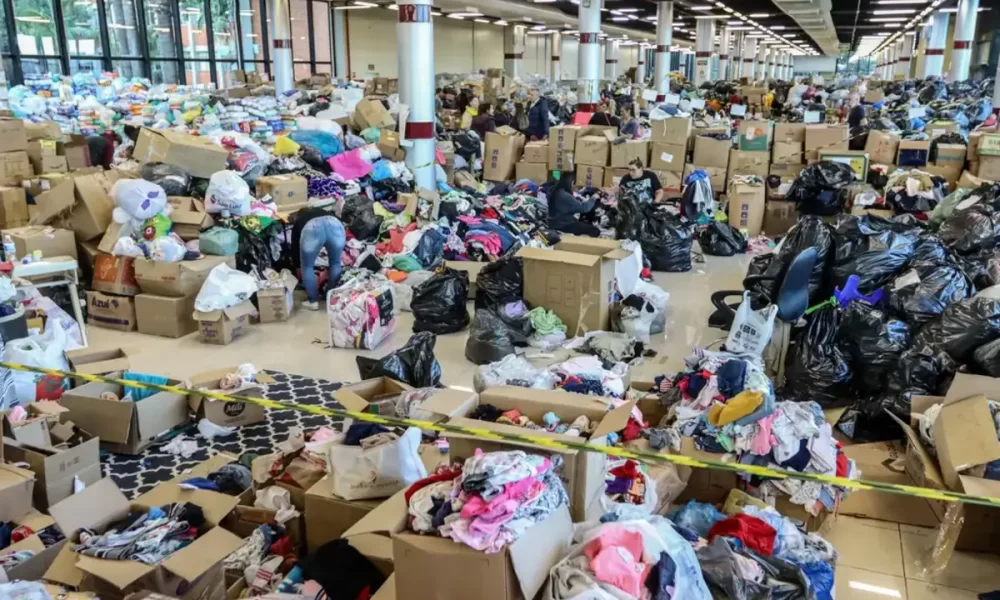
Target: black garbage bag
761,290
817,369
868,247
630,216
983,267
817,189
666,241
247,164
500,283
358,214
930,249
490,338
430,249
284,165
174,180
947,138
987,358
438,304
961,328
970,230
809,232
314,158
923,292
413,364
932,90
873,341
721,239
389,188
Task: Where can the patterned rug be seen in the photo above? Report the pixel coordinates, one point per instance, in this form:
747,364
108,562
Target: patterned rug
138,474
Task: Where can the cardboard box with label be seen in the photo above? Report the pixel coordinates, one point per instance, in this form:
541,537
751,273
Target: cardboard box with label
34,568
882,147
125,427
68,453
115,275
288,191
222,326
165,316
913,153
743,162
196,155
716,175
536,172
13,207
824,137
110,312
746,206
562,142
592,150
675,130
536,152
228,414
754,136
50,164
503,150
624,153
667,157
779,217
950,155
193,572
790,132
275,304
712,152
589,176
14,168
857,160
177,279
787,152
577,284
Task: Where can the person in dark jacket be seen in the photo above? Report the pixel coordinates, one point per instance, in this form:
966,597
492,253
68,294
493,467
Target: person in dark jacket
606,116
538,116
484,122
563,208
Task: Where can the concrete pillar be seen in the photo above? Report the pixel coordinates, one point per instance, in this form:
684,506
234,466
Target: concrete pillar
920,54
772,58
683,64
786,66
905,58
588,89
640,68
965,31
736,56
704,40
996,91
281,49
664,37
724,40
340,45
749,58
760,71
415,59
555,47
611,59
934,55
513,50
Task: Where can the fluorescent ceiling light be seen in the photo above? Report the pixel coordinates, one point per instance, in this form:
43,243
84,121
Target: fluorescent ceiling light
633,17
734,22
454,16
626,10
616,12
481,20
350,7
887,19
895,11
701,8
777,27
465,14
619,19
501,22
538,27
362,3
901,2
760,15
711,17
740,28
436,13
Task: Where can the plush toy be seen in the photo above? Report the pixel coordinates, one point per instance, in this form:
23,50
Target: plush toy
136,200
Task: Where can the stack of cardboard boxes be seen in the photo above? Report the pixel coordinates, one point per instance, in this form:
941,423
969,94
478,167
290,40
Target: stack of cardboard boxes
668,152
503,149
534,163
987,163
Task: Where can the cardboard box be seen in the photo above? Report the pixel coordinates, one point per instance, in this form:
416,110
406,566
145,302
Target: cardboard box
674,130
536,152
196,155
51,164
786,171
372,113
743,162
779,217
882,147
91,215
45,129
388,145
377,396
562,143
16,487
51,241
754,136
53,203
885,462
913,153
13,136
275,304
746,207
950,155
189,223
989,168
968,180
115,275
536,172
124,427
972,152
328,516
592,150
624,153
222,326
178,279
33,569
57,463
14,168
97,362
372,534
457,572
578,287
949,173
228,414
502,152
76,150
13,207
589,176
165,316
672,183
716,175
110,312
188,573
824,137
873,96
790,132
787,152
667,157
613,176
857,160
712,152
34,429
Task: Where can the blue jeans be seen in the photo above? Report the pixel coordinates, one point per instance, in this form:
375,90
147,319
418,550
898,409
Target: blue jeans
319,233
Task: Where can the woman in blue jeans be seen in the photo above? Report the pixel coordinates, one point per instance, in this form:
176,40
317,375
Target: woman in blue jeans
316,228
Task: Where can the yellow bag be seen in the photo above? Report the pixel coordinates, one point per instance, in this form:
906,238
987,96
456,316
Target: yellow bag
286,147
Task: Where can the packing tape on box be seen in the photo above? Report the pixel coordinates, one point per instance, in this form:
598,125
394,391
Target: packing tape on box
538,441
820,149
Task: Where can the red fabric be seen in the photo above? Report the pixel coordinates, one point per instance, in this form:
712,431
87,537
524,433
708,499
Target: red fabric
444,475
841,464
630,470
755,533
282,546
633,429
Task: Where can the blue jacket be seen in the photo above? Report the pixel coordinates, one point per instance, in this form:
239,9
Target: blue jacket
538,120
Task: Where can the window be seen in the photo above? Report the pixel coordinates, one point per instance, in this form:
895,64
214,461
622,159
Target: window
197,72
160,29
253,32
83,27
194,37
123,33
224,29
127,68
322,35
165,71
36,30
300,31
85,65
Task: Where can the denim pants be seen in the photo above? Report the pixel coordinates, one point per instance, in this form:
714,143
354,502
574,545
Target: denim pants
319,233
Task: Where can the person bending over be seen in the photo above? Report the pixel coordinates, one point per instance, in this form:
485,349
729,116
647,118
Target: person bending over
564,206
316,228
642,183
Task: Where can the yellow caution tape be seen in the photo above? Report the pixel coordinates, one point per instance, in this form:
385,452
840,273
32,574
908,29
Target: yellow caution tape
539,441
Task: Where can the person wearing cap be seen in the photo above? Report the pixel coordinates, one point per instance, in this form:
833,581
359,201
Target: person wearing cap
316,228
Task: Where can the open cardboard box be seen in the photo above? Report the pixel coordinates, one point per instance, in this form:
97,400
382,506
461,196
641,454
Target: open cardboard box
372,534
365,396
328,516
68,454
97,362
181,575
42,416
34,568
228,414
583,472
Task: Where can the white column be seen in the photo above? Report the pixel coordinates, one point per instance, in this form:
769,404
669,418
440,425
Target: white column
640,69
415,59
724,40
281,49
996,90
890,67
965,30
704,40
588,89
340,45
934,55
736,56
772,57
760,72
664,37
749,58
682,64
905,58
611,59
555,45
513,50
786,66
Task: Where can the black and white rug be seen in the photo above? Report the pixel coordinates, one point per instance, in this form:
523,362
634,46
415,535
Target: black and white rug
138,474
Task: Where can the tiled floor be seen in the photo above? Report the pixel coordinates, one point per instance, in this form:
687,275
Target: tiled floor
878,560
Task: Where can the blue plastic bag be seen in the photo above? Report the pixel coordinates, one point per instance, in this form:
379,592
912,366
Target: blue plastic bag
326,143
697,516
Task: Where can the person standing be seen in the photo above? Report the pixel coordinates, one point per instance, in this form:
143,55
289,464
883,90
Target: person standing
538,116
316,228
484,122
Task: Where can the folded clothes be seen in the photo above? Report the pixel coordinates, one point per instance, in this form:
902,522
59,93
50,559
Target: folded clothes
145,537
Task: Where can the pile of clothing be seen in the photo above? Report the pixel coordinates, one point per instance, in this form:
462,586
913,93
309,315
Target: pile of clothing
232,479
263,559
551,422
12,533
488,501
147,537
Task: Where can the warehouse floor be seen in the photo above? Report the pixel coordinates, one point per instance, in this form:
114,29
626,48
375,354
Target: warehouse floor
878,560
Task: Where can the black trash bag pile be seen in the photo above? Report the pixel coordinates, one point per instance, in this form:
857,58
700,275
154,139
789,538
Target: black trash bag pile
314,158
817,369
987,358
874,342
413,364
947,138
721,239
174,180
874,249
666,241
809,232
493,336
285,165
818,188
971,229
630,214
500,282
923,292
930,249
358,215
961,328
931,91
438,304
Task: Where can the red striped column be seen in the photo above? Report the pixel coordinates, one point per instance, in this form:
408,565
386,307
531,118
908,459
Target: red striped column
415,57
965,30
724,54
934,54
513,50
664,37
588,89
749,55
556,43
611,60
703,42
281,47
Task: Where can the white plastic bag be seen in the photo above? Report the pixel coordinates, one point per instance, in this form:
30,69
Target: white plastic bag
751,329
625,511
659,298
227,193
379,472
135,201
224,287
45,351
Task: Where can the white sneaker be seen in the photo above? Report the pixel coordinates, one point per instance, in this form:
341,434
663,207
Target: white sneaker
310,305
